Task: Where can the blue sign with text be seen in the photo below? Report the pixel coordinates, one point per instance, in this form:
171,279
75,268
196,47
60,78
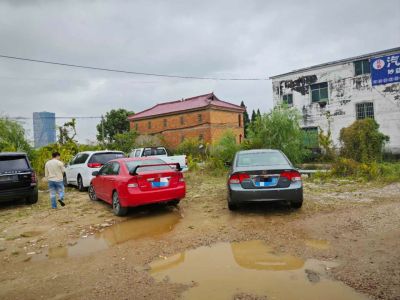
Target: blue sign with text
385,69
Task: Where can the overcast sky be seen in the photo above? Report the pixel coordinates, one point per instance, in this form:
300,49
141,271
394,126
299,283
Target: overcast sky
198,38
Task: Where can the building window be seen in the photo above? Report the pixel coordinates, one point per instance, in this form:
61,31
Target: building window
364,110
149,125
310,137
182,138
319,92
199,118
165,123
288,99
240,138
136,126
240,120
201,137
182,120
361,67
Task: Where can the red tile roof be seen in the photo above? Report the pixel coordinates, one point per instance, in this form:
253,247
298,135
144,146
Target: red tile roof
193,103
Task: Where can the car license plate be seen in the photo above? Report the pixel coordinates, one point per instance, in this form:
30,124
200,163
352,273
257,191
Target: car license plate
8,178
265,182
160,182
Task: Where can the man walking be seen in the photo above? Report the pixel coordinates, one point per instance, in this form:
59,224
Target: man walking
54,172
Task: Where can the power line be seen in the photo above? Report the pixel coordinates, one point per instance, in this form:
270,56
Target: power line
127,72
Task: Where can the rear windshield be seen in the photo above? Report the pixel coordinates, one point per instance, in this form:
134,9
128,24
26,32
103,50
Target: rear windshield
103,158
10,163
131,165
261,159
154,151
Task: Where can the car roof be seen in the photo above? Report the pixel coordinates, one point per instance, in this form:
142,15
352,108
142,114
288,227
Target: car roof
13,154
126,159
258,151
101,151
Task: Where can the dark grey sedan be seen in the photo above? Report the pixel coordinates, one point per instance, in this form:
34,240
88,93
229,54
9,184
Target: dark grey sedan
263,175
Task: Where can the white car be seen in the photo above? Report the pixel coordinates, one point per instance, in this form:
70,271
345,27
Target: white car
161,152
79,170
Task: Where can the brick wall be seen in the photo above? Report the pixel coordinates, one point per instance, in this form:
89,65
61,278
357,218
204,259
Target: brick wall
209,128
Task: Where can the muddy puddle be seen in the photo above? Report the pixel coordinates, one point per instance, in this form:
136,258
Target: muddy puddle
251,267
136,228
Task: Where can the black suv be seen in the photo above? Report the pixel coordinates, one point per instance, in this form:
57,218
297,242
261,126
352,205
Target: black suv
17,178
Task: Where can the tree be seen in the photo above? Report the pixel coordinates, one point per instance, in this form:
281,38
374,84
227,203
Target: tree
253,116
69,128
279,129
362,141
258,113
246,119
115,121
124,141
12,136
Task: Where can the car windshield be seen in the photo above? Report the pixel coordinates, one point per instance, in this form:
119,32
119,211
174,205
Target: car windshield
103,158
11,163
261,159
131,165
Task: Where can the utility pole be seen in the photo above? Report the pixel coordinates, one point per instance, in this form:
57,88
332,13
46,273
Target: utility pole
102,129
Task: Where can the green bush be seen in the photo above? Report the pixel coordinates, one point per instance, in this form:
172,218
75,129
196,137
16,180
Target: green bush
225,149
192,147
12,137
387,172
362,141
279,129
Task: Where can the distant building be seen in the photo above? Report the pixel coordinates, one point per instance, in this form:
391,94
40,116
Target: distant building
342,91
204,117
44,128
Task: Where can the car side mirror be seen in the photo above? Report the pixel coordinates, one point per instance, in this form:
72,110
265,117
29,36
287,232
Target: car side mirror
95,173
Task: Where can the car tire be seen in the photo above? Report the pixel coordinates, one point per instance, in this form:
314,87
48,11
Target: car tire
32,199
65,180
231,205
174,202
118,210
296,204
92,193
81,188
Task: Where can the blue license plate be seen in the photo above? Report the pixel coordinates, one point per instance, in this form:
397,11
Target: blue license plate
263,182
160,182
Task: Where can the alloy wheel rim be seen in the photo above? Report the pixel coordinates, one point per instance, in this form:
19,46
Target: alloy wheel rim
115,202
92,193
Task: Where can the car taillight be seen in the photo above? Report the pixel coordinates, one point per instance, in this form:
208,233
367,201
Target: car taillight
181,179
33,178
238,178
132,183
94,165
291,175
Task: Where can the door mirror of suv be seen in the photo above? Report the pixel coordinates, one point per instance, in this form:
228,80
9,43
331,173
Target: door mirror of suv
95,173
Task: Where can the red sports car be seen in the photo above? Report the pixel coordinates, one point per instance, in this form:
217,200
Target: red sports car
128,182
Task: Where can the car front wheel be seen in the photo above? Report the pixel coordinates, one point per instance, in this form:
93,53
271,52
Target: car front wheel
117,208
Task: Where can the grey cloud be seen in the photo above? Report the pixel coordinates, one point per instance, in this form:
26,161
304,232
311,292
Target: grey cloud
207,38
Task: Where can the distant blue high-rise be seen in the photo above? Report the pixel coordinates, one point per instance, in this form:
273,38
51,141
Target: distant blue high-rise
44,128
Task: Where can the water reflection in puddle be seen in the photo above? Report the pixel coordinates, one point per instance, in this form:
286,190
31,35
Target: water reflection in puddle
139,227
227,269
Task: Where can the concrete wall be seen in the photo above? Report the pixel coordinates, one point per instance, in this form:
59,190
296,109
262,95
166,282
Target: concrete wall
344,91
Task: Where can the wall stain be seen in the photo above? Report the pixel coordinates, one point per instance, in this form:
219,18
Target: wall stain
299,85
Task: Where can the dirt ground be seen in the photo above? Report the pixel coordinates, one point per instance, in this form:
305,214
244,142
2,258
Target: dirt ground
82,251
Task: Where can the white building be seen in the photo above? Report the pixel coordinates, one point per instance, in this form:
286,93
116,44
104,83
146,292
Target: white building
343,91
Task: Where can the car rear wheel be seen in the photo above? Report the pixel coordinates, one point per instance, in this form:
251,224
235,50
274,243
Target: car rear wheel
81,188
296,204
174,202
231,205
32,199
92,193
117,208
65,180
